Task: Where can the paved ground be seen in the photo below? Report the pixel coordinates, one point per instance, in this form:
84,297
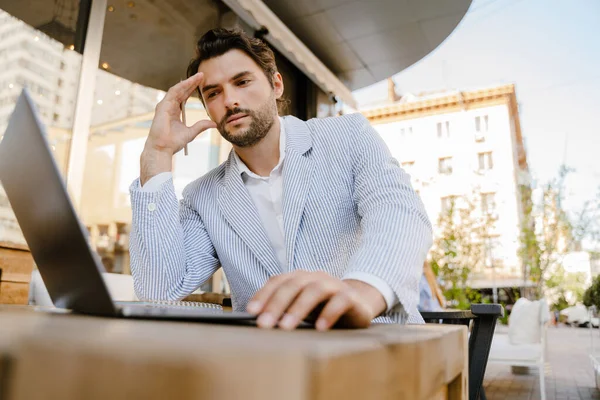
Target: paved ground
569,373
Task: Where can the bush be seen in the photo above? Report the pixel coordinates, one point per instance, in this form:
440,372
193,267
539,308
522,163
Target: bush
591,297
560,304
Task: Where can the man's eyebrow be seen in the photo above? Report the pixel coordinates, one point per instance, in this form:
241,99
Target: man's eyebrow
241,74
208,87
235,77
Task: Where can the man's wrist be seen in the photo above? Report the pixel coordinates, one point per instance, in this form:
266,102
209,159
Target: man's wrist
154,162
370,295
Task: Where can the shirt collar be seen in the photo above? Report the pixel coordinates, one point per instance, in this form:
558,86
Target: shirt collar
282,139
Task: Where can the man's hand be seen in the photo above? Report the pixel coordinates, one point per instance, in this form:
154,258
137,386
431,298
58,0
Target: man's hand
168,134
288,299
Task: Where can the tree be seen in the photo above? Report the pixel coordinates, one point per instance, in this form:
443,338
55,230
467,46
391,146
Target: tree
591,296
461,246
549,233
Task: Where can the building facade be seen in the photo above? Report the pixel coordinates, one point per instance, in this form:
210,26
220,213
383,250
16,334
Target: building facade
464,144
50,71
30,59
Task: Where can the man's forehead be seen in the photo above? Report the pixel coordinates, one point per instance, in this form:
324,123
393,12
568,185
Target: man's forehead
227,65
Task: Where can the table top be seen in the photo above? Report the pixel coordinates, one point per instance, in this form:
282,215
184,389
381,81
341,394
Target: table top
409,360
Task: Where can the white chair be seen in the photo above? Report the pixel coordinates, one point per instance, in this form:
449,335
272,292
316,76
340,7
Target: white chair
525,343
119,286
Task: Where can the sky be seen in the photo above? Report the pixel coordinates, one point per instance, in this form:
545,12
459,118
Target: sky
550,50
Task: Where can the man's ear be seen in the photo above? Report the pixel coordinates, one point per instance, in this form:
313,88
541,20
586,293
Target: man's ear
278,85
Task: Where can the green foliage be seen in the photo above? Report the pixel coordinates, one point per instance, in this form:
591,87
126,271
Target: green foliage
462,298
548,233
591,296
561,303
504,319
461,247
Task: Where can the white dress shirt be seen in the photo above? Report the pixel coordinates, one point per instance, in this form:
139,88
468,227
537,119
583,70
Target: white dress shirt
267,194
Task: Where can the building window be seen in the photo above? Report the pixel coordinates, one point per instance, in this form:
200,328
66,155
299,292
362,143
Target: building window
443,129
496,253
481,128
406,131
60,82
448,203
481,124
488,203
55,117
445,165
57,100
485,161
408,166
62,66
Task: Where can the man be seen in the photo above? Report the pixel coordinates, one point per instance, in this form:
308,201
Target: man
303,216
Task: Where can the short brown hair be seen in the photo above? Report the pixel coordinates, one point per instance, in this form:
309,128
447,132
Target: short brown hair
219,41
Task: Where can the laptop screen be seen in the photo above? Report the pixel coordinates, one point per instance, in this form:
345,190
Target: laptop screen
56,237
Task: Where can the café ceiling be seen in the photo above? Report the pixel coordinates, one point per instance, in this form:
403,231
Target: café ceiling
361,42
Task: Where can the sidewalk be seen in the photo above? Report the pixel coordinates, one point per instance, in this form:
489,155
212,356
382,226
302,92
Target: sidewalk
569,373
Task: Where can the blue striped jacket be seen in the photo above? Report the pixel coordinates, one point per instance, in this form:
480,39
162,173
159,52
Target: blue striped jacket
347,206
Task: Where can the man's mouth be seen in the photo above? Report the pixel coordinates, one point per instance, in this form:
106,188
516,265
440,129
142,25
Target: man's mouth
236,117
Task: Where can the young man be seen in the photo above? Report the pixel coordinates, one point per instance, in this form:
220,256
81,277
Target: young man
302,216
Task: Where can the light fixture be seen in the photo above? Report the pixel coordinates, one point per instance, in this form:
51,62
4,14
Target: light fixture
111,8
118,92
10,86
105,65
99,102
131,4
72,47
36,38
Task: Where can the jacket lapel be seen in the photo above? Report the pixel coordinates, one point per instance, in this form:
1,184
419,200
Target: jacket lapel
297,173
239,210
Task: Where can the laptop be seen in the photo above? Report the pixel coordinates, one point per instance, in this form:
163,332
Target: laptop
70,269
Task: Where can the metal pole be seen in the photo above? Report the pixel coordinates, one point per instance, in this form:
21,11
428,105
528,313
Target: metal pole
495,287
85,98
490,262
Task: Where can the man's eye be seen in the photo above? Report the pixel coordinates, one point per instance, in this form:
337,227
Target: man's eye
211,95
243,82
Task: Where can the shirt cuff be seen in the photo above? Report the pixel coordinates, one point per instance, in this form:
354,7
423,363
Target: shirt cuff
154,183
384,288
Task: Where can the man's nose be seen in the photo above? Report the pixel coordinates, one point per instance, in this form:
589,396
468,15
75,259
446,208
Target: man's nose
231,100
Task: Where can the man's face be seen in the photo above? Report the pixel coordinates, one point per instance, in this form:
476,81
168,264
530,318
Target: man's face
239,97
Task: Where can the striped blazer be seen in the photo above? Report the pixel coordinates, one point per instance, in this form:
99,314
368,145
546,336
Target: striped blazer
347,206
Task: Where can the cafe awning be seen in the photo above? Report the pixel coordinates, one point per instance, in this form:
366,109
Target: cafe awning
341,45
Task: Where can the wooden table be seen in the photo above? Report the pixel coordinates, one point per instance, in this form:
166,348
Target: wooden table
51,356
16,264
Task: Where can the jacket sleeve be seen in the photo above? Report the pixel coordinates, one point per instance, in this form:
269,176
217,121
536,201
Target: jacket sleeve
396,232
171,252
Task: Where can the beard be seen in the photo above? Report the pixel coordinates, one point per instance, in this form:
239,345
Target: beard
261,121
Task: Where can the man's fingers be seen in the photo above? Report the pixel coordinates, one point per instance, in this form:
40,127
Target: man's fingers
184,89
339,305
281,299
200,127
257,303
311,296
